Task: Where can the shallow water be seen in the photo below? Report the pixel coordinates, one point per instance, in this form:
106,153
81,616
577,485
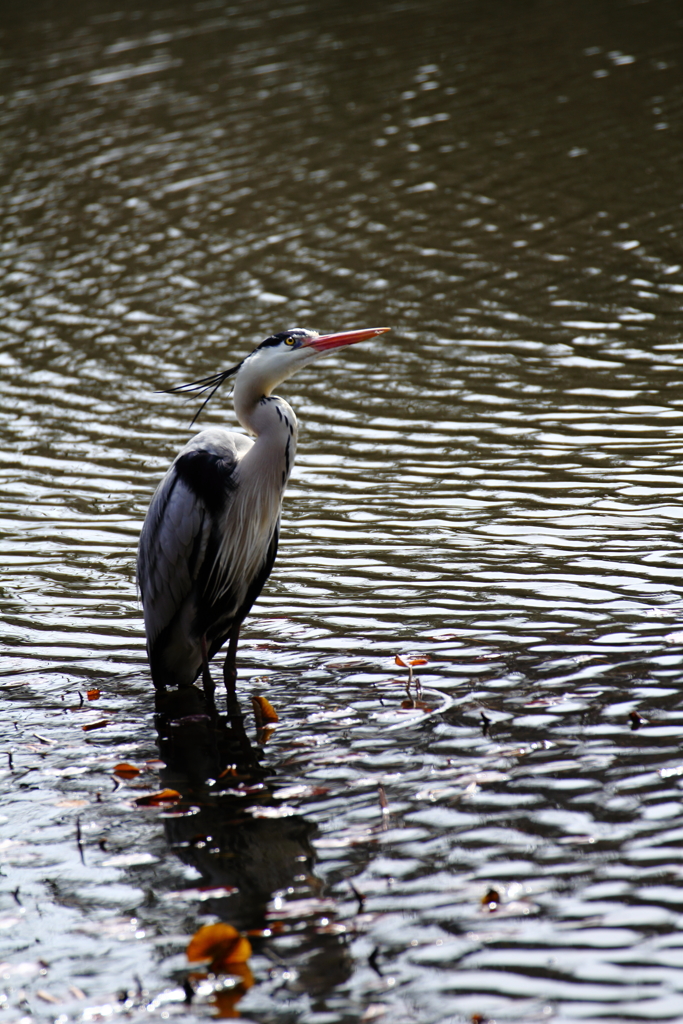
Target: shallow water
494,486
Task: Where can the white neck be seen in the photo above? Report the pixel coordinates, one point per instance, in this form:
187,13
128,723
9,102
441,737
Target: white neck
254,406
274,424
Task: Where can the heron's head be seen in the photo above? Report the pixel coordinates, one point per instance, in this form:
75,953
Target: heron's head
281,355
276,359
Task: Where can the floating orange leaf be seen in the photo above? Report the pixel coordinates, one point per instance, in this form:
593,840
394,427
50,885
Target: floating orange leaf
96,725
126,771
164,796
220,943
264,711
93,694
410,662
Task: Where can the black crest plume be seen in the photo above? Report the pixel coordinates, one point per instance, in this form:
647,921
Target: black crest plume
210,384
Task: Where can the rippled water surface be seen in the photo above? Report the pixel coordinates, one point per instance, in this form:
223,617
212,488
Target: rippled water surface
495,486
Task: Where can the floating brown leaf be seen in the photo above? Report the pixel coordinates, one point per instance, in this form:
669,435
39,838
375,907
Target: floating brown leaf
418,661
399,661
220,943
93,694
126,771
264,711
491,900
96,725
164,796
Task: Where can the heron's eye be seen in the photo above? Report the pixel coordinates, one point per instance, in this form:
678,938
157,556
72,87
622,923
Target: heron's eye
290,341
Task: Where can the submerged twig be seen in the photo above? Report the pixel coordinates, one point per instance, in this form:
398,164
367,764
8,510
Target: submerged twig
359,896
372,960
79,842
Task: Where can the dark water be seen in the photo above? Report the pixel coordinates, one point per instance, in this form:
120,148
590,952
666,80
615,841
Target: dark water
495,486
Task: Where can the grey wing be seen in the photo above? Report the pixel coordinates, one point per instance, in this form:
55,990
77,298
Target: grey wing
172,545
179,533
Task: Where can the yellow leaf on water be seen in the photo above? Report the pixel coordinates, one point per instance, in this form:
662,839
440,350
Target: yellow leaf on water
220,943
264,711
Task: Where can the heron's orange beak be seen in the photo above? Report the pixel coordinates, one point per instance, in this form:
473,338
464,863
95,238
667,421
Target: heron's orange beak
324,342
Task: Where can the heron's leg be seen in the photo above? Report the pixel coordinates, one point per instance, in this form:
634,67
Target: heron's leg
207,681
248,758
230,666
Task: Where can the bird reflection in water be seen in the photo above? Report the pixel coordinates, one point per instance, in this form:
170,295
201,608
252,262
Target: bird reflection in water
246,847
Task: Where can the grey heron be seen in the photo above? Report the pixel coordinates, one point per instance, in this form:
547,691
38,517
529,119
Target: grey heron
210,536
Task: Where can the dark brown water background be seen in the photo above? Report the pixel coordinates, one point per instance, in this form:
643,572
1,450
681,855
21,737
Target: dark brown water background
495,486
